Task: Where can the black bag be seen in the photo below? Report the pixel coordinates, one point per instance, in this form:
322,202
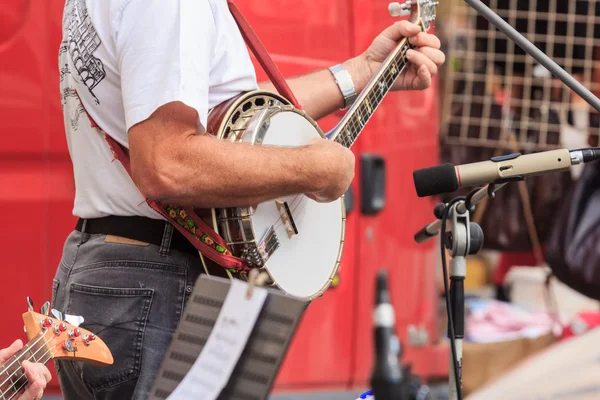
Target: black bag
573,251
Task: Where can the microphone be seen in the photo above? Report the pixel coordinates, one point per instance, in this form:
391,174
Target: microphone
447,178
387,377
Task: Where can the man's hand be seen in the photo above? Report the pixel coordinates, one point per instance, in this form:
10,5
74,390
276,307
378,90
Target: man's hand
319,95
338,161
37,374
424,61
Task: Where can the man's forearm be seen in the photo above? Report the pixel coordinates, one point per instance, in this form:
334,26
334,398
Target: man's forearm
207,172
171,161
317,92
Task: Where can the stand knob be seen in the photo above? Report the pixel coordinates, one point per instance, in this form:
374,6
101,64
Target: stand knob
438,210
477,237
400,10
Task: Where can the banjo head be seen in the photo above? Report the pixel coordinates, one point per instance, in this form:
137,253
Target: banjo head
311,242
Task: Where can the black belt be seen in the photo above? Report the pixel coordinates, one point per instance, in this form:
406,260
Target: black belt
143,229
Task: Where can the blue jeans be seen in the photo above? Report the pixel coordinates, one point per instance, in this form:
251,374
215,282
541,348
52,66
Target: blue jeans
132,295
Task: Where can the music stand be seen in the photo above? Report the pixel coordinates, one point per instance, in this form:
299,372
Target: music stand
256,370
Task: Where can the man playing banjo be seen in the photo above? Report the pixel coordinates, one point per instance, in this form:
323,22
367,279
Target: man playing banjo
147,72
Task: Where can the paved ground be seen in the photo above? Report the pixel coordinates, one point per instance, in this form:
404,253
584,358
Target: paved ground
295,396
438,393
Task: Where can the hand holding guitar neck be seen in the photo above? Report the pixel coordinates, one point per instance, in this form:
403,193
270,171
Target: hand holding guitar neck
37,374
49,337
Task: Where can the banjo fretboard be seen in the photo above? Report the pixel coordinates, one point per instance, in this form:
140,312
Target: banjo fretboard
360,113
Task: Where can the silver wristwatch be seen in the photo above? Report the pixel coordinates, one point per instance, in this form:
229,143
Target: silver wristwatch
344,82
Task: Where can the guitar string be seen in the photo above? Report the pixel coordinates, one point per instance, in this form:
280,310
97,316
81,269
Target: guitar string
25,383
42,360
376,97
16,359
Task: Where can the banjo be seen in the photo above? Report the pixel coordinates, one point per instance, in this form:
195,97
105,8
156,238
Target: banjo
297,241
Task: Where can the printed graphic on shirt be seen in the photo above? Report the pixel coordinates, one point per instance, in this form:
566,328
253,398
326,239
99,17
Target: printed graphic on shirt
79,111
70,93
64,71
66,93
81,43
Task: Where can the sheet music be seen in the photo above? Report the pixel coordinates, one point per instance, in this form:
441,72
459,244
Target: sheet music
254,374
212,369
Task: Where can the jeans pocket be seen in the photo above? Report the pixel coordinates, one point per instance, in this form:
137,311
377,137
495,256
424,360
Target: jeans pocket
118,316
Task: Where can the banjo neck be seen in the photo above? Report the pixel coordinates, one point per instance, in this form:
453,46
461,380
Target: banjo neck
350,127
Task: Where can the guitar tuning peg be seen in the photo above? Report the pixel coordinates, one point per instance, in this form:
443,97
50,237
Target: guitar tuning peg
400,10
29,304
45,308
57,314
74,320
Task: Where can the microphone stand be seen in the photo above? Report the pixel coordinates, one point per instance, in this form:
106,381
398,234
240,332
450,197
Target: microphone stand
534,52
463,238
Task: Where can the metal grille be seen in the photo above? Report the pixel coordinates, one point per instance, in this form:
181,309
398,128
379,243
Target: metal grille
494,91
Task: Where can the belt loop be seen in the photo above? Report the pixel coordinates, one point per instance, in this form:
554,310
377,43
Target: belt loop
84,236
165,245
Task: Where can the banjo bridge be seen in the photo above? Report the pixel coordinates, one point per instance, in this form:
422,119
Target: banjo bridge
287,218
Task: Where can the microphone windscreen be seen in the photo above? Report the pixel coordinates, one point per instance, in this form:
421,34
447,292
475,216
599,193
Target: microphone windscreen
435,180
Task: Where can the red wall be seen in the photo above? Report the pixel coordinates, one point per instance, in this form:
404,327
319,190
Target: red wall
332,348
36,186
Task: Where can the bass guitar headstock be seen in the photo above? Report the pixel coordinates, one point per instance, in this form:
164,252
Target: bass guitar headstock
420,12
51,337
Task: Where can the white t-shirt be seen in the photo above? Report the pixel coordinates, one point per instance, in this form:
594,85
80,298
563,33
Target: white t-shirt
126,58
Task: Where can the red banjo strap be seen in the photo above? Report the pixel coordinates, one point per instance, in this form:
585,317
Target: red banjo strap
184,219
262,55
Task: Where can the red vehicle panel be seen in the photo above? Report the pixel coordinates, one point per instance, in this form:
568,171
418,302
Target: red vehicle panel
35,171
333,346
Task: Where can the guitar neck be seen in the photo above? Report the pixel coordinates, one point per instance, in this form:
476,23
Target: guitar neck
12,377
378,87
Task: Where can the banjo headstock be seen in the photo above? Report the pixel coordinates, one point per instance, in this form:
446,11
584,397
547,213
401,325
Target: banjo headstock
420,12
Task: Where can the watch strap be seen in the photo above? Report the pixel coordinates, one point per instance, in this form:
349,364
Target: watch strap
345,83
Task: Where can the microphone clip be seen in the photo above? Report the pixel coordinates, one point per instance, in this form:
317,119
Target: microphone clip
464,237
